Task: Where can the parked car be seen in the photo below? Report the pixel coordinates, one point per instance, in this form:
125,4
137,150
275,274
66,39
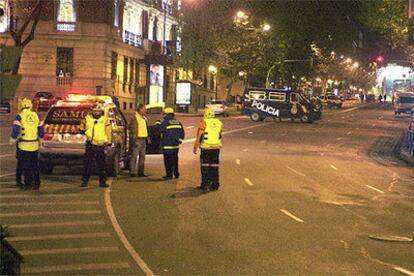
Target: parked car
63,144
44,100
5,106
331,101
219,107
403,103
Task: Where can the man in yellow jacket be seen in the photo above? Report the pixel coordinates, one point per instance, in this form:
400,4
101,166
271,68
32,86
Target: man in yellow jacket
27,132
98,133
209,140
138,131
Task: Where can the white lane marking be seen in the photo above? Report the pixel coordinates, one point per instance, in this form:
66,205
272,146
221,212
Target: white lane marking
263,141
57,224
7,155
12,189
189,127
69,250
403,270
375,189
137,258
238,161
45,195
230,131
250,132
322,154
9,204
347,110
74,267
246,150
333,167
248,182
339,139
7,174
349,133
289,214
5,144
60,236
48,213
295,171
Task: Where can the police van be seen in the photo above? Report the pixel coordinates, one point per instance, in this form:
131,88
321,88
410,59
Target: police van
260,103
403,103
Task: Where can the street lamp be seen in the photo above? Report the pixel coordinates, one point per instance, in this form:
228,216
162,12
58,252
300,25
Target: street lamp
213,70
266,27
348,60
355,65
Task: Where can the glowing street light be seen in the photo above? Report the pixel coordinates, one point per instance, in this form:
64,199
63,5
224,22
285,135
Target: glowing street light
355,65
212,69
318,79
240,14
266,27
348,60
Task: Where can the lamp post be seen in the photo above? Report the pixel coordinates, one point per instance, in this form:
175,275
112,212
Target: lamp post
213,70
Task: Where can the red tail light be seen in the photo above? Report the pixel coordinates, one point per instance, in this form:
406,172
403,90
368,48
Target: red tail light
48,136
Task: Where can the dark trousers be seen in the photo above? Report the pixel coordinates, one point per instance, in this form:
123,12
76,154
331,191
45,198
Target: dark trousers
19,169
29,163
93,154
209,160
171,163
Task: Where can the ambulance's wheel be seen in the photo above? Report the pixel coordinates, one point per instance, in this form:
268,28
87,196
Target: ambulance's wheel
305,119
45,168
114,165
255,116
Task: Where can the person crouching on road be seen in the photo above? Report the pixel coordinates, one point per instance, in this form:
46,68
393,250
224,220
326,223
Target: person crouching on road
138,131
209,140
172,135
27,131
98,132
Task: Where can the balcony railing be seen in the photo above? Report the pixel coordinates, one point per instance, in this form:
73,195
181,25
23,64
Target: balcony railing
63,80
167,8
133,39
66,26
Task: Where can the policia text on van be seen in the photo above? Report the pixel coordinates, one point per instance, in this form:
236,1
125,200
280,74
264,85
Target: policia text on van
260,103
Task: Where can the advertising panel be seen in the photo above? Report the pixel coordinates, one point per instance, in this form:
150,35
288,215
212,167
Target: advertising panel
156,93
183,96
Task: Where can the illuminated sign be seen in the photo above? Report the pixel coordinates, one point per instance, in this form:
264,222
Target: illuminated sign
156,93
183,95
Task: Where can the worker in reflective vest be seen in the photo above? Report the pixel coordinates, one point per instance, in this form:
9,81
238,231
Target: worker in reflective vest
27,132
209,140
98,133
138,131
172,135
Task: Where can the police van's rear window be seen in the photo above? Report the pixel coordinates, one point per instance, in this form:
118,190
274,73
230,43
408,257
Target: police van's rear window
66,115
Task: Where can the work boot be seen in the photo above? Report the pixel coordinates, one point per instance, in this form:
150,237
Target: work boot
104,185
142,175
84,183
167,177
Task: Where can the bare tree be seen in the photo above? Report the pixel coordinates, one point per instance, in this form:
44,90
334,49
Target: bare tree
22,15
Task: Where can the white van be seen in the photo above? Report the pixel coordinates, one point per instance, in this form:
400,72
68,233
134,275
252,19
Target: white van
404,103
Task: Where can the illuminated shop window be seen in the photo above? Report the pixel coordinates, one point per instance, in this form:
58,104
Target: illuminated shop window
66,16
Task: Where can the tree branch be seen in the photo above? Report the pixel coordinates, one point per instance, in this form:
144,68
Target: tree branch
36,18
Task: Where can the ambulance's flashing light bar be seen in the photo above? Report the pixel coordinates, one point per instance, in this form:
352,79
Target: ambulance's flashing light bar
76,99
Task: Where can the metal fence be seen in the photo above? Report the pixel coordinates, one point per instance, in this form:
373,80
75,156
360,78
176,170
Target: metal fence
410,137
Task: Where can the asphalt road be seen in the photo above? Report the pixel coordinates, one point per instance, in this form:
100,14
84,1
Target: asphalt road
295,199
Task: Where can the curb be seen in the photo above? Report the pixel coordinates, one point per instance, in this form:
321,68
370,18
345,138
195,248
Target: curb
404,154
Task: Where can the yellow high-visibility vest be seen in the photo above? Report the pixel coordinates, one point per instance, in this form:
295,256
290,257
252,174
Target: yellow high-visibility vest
95,130
211,137
142,131
29,138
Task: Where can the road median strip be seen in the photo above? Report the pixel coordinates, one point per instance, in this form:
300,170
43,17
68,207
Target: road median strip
60,237
49,213
11,204
57,224
69,250
75,267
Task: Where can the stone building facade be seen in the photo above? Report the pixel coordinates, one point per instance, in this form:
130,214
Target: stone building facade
103,47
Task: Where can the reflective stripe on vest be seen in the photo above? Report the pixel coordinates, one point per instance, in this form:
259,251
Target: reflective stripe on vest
211,136
95,130
173,126
142,131
28,136
170,147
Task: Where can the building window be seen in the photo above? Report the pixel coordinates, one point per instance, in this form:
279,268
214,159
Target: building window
131,71
66,16
125,105
4,20
131,26
125,77
116,13
64,66
155,29
137,72
130,105
114,65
